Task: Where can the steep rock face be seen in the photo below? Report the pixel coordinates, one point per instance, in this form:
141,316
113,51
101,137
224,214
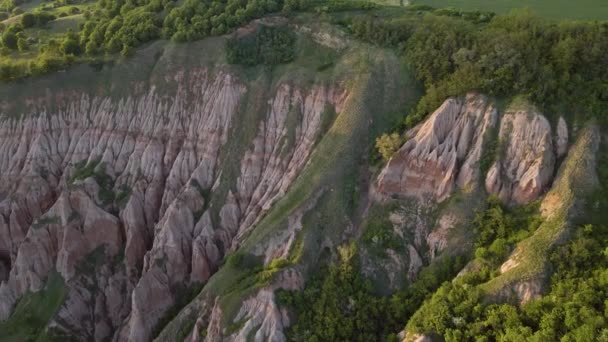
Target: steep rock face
269,167
74,227
441,153
188,251
445,153
526,162
262,313
524,274
132,176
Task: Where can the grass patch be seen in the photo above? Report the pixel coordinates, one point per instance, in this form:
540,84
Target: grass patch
46,220
557,9
378,235
96,169
34,311
574,182
183,295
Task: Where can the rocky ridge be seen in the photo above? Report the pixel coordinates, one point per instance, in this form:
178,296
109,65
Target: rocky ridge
161,157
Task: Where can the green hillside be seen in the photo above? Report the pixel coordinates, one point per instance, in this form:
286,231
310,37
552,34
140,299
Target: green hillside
558,9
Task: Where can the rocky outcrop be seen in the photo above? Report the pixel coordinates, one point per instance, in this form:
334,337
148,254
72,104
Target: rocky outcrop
526,157
524,274
443,152
261,313
188,251
133,176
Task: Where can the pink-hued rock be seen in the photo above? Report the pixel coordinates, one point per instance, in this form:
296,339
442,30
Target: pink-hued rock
526,162
162,151
441,153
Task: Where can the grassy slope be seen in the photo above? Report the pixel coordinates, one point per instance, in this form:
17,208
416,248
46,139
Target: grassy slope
574,183
33,311
376,90
331,168
558,9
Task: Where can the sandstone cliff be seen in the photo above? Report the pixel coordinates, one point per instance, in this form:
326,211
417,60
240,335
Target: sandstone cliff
137,180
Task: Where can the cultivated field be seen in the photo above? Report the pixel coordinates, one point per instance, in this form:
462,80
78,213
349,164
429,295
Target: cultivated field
560,9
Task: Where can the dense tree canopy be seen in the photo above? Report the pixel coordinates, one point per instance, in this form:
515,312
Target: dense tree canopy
557,65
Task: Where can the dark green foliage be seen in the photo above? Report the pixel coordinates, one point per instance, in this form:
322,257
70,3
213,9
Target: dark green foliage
499,222
183,296
34,310
490,150
70,45
9,36
95,169
36,19
235,260
498,229
575,309
268,45
558,66
338,303
338,307
378,232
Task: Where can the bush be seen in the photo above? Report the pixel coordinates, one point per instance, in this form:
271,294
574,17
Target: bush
387,145
22,44
36,19
70,45
267,45
9,39
235,260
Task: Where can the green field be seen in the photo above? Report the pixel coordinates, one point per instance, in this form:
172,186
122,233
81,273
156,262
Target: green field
558,9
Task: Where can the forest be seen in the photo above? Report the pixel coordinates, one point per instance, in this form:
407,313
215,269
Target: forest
557,65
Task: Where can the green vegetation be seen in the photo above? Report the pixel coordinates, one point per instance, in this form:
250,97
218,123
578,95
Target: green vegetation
378,232
575,308
491,150
33,311
573,184
267,45
338,303
55,37
41,222
388,144
560,9
183,296
498,229
557,66
96,169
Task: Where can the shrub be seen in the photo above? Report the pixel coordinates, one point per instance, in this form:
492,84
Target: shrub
388,144
22,44
267,45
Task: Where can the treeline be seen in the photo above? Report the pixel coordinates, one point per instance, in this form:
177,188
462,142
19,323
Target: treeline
119,26
556,65
267,45
338,304
575,309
